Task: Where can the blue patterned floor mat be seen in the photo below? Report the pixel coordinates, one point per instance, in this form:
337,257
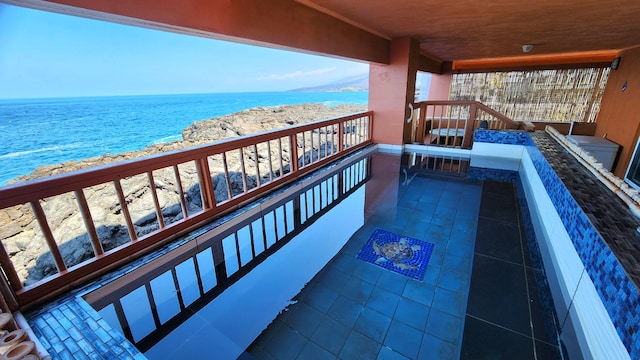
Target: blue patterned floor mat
401,254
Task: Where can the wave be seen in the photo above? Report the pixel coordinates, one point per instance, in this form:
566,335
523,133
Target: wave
58,122
44,149
331,103
167,139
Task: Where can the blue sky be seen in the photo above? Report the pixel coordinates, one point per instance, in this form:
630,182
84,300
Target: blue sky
52,55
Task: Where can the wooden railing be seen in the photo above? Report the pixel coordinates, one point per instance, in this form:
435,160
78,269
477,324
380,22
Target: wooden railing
451,123
127,209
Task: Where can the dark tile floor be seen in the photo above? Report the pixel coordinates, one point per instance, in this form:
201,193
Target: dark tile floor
357,310
505,317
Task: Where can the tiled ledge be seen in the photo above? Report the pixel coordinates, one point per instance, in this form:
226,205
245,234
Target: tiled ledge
597,227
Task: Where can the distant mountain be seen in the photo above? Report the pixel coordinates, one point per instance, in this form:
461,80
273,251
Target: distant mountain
351,83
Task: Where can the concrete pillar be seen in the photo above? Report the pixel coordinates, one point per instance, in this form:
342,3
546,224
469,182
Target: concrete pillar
391,88
439,87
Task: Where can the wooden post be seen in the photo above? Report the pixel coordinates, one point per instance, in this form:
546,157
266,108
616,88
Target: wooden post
206,187
468,127
11,274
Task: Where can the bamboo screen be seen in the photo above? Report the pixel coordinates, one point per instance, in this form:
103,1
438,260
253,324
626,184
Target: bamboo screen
542,95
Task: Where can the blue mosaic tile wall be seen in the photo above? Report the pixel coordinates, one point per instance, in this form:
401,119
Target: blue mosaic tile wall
617,292
478,173
502,137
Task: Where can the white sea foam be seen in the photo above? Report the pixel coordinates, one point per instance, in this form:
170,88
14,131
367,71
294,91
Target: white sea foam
44,149
167,139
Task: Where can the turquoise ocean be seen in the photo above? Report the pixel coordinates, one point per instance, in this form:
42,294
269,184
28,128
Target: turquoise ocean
35,132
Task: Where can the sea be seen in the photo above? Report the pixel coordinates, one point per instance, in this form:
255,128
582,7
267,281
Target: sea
36,132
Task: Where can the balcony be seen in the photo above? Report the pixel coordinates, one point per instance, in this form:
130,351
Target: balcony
517,155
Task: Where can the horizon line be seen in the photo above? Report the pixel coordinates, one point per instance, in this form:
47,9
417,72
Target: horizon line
170,94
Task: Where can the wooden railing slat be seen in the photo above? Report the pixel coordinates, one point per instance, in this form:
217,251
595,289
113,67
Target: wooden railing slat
257,164
270,160
293,148
48,236
125,210
245,184
183,200
156,201
88,223
280,156
227,176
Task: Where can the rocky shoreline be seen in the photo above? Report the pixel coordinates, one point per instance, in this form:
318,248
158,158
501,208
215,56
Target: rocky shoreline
241,123
19,230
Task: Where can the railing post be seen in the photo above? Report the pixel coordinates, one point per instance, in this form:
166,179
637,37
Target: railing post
293,144
468,127
11,274
423,122
8,296
370,126
340,137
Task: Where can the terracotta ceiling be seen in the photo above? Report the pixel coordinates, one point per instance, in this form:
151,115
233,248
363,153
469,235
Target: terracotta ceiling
459,35
477,29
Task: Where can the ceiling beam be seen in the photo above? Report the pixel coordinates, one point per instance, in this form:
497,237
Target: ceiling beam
429,64
537,62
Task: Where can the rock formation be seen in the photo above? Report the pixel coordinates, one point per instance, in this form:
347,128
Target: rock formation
20,232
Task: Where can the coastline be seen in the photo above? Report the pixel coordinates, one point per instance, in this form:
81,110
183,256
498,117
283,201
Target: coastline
240,123
19,226
38,132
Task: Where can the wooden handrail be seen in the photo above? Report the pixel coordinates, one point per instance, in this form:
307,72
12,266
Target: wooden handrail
510,124
34,191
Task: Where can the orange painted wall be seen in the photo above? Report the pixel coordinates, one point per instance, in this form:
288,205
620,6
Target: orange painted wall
619,117
391,89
